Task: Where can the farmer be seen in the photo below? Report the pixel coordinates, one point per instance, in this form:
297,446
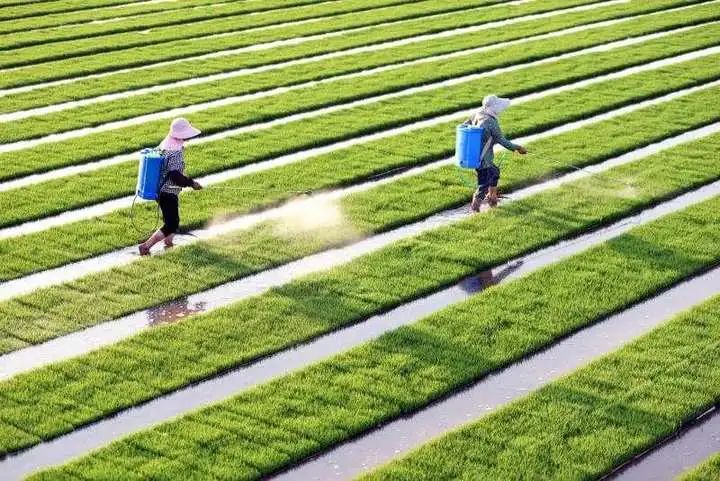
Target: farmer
488,174
171,183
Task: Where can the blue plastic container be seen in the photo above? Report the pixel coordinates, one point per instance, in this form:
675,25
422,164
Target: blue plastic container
148,184
468,146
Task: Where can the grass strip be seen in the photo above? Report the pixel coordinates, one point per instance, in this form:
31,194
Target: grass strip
71,393
75,19
329,402
14,12
341,90
75,25
119,82
142,56
164,39
582,426
709,470
346,123
230,17
80,240
54,311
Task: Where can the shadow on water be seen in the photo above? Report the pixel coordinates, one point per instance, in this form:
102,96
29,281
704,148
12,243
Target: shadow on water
487,278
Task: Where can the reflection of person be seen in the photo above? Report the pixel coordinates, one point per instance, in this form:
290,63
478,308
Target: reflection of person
172,181
488,174
174,311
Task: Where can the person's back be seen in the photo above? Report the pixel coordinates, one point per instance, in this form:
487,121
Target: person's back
488,174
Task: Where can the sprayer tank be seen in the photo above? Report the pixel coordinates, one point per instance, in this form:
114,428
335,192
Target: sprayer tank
148,184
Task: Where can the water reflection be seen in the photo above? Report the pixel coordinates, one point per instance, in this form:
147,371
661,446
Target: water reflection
486,278
174,311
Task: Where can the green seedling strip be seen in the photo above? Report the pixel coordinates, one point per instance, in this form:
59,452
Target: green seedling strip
74,392
346,123
597,417
234,18
54,311
34,9
72,19
119,82
284,421
163,40
80,240
707,471
142,56
342,90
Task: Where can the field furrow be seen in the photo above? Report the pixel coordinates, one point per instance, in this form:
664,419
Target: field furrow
164,39
597,417
429,32
242,332
91,237
235,17
407,368
71,20
292,48
137,110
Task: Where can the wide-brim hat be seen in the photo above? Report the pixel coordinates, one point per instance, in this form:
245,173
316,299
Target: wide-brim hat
181,129
496,104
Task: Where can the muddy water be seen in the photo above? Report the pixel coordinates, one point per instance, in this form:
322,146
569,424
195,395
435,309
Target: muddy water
397,438
463,406
683,451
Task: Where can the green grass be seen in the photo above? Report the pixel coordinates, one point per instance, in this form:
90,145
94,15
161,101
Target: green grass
169,73
77,391
164,39
265,13
707,471
596,418
142,56
343,90
79,240
57,310
582,426
72,18
32,9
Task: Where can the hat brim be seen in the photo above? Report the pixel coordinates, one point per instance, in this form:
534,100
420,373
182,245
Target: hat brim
185,133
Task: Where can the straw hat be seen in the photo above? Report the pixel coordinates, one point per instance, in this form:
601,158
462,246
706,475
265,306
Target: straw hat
181,129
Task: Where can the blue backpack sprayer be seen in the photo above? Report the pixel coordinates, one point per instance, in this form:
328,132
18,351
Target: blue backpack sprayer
470,150
149,182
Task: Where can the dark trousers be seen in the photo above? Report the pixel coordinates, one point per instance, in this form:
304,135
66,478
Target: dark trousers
170,208
488,176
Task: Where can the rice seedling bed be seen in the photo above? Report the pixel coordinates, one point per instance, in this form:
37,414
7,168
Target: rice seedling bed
343,124
595,418
207,344
19,11
119,82
189,19
342,89
404,370
181,50
204,32
369,213
80,240
148,10
707,471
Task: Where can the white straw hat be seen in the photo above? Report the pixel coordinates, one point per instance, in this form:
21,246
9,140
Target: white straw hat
495,104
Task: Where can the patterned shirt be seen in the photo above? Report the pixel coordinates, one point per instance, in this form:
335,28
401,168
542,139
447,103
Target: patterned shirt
492,128
174,160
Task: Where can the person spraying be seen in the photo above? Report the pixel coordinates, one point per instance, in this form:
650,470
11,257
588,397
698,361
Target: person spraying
172,181
488,174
